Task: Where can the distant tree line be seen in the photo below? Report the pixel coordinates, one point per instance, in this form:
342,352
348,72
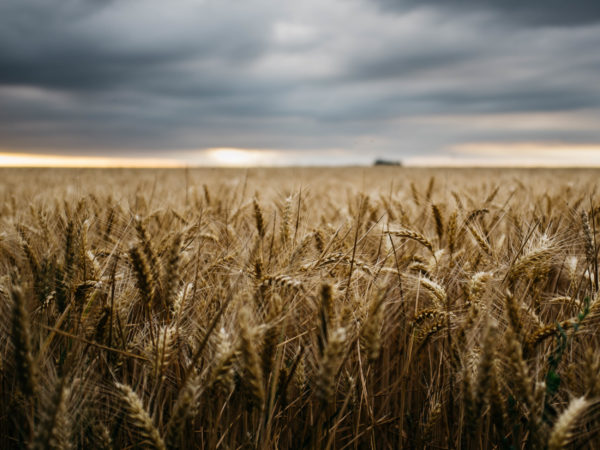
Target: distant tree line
386,162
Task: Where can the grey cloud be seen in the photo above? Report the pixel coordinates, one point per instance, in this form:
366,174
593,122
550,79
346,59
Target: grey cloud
533,12
100,44
413,63
109,77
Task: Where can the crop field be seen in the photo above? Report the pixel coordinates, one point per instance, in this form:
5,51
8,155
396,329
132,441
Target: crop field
342,308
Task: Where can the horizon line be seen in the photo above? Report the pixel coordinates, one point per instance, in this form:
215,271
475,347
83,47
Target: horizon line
304,166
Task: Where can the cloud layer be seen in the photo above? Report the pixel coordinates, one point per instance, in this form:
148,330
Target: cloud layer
353,79
530,12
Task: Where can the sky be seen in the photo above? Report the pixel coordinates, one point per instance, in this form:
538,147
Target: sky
265,82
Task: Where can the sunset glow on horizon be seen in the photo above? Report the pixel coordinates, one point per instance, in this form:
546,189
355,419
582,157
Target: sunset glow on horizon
239,157
213,157
474,154
514,154
38,160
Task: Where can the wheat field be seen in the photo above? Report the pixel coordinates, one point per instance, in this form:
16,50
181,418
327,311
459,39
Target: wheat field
308,308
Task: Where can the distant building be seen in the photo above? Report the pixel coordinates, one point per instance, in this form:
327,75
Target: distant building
387,162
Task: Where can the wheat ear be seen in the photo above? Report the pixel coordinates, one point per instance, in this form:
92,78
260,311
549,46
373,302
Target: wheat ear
564,428
140,418
21,338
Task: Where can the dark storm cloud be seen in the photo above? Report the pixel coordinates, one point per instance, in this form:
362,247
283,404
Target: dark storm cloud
534,12
99,44
134,76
